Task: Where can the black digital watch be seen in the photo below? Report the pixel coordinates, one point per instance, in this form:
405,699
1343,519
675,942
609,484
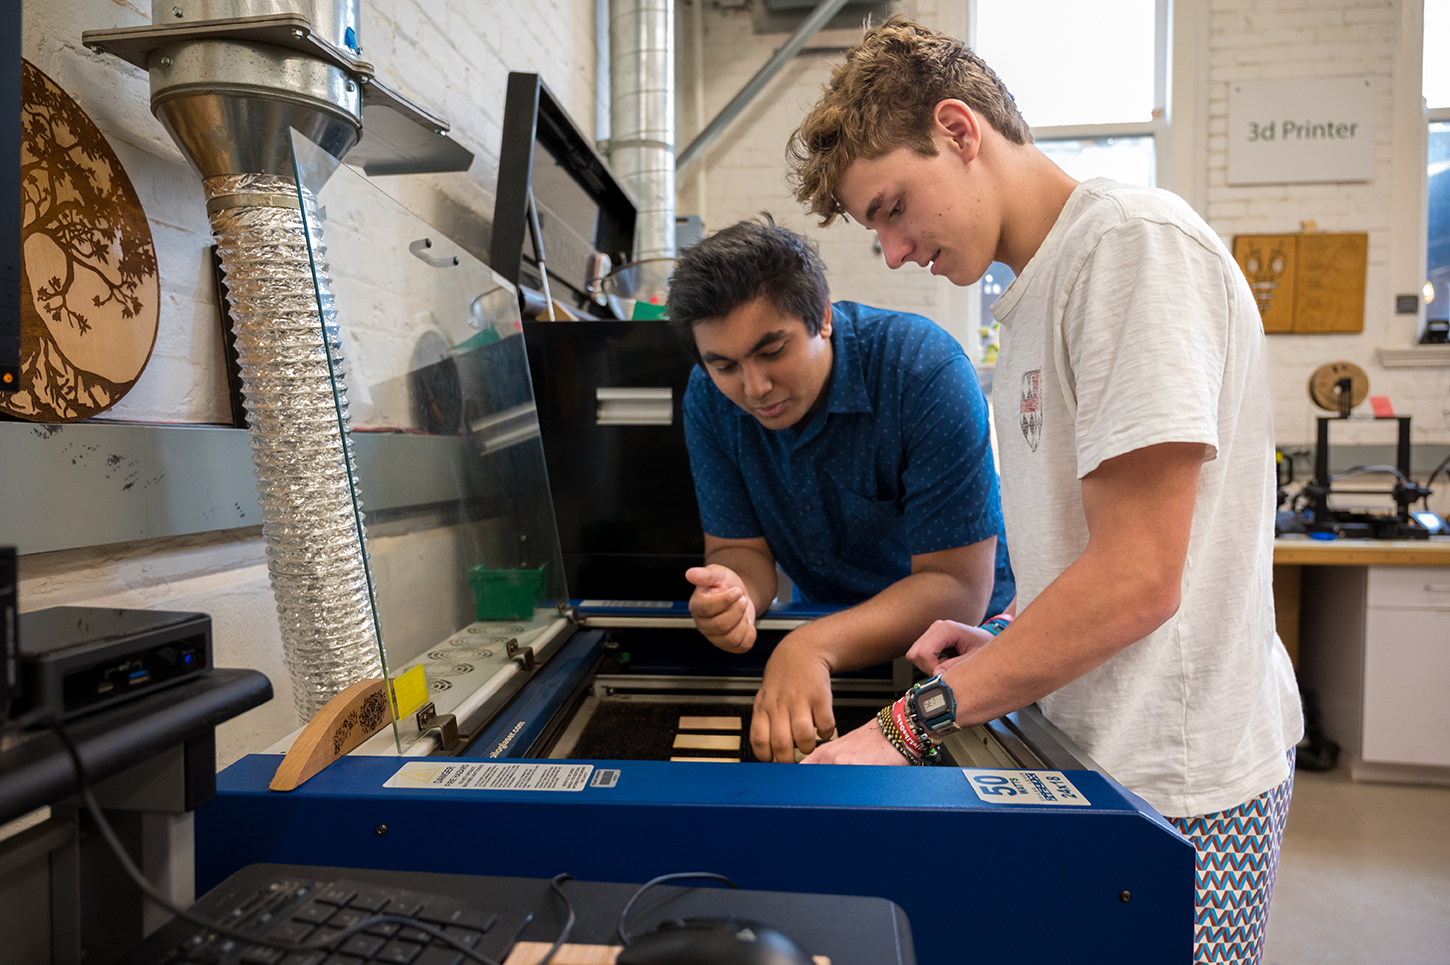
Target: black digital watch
933,708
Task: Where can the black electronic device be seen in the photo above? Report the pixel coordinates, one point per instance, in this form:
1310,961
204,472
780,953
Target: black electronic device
1338,387
713,941
1401,524
77,659
9,633
582,211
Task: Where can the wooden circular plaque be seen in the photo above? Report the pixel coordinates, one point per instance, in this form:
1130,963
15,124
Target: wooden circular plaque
90,293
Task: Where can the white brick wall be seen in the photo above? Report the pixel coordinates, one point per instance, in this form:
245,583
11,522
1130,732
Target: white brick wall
1253,40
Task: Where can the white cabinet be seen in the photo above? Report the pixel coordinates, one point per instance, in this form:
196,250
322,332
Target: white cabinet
1407,666
1375,649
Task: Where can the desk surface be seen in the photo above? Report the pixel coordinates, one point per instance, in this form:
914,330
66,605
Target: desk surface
1361,552
38,771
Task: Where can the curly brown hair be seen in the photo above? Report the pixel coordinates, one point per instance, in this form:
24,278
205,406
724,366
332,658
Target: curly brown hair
883,98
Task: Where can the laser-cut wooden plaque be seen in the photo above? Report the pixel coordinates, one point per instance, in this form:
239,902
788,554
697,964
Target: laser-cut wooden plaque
90,293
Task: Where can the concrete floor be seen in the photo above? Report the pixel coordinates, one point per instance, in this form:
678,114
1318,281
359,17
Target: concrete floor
1364,875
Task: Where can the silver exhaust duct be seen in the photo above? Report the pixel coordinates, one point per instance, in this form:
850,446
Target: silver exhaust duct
642,119
231,102
301,445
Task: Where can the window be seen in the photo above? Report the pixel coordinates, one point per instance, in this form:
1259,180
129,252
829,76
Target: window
1436,87
1089,77
1091,80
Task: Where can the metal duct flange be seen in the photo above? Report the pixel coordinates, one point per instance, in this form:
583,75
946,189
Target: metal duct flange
230,105
334,20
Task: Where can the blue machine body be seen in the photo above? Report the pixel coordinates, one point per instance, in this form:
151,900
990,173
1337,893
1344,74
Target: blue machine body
978,879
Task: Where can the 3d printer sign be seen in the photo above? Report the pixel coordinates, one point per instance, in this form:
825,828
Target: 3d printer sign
1301,131
89,306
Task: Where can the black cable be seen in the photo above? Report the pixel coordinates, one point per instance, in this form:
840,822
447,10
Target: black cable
150,891
677,876
1443,467
554,883
1361,470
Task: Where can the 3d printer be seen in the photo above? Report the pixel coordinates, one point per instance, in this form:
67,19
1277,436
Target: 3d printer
1338,387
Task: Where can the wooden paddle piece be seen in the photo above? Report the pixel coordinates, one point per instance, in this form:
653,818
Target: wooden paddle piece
346,721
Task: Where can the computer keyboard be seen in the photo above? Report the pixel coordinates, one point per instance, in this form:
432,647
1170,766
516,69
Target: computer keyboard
290,909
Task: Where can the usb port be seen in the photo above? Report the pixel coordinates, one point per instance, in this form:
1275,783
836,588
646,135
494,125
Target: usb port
139,676
105,687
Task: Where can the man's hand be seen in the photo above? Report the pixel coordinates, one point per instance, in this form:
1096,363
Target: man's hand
864,745
946,643
722,607
793,706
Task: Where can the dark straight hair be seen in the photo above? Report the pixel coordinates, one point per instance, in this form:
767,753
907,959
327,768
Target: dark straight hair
740,263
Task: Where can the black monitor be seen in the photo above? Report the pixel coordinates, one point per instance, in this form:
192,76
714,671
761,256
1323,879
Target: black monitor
582,209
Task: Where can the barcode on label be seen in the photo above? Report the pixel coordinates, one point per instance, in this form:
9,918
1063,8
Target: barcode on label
603,778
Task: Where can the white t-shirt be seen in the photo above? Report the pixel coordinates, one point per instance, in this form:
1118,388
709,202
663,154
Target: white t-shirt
1132,326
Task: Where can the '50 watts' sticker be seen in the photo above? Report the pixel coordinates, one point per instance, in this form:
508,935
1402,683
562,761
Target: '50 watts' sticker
1024,787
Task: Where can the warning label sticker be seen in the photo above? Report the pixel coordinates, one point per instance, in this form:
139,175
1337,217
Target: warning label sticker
1024,787
492,777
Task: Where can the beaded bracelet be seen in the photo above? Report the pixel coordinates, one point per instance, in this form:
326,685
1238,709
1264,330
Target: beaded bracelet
886,718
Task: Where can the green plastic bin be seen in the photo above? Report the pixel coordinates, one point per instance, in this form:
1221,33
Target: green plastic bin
506,594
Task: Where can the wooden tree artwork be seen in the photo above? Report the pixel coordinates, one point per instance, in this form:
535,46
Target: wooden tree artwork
89,305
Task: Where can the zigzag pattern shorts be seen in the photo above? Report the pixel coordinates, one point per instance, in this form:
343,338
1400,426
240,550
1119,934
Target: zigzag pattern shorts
1238,859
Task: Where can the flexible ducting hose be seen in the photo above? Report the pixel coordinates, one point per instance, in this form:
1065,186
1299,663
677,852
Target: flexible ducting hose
301,447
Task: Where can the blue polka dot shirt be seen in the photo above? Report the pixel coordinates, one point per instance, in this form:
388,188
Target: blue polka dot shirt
897,464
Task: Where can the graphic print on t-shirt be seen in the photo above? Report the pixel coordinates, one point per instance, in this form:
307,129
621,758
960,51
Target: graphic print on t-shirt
1031,408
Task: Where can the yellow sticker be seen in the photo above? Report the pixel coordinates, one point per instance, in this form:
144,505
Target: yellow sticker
410,691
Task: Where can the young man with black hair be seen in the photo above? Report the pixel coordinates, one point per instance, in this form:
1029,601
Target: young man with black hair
1132,407
848,443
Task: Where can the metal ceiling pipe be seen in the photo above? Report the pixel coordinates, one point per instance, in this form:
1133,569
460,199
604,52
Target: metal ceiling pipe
809,27
642,117
231,105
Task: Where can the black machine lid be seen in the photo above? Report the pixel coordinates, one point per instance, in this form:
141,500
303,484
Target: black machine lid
582,209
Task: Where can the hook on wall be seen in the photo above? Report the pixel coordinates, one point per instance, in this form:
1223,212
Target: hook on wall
418,247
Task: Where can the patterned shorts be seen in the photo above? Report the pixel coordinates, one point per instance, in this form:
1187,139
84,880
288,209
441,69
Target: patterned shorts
1238,859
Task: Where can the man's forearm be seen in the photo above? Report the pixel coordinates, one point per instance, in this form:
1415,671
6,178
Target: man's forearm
1079,622
884,627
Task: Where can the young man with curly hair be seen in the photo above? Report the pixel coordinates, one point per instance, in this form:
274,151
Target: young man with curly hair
848,443
1132,407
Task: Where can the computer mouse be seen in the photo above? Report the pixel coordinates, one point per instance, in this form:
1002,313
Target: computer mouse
713,941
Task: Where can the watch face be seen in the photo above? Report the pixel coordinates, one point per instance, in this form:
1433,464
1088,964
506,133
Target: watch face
932,703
